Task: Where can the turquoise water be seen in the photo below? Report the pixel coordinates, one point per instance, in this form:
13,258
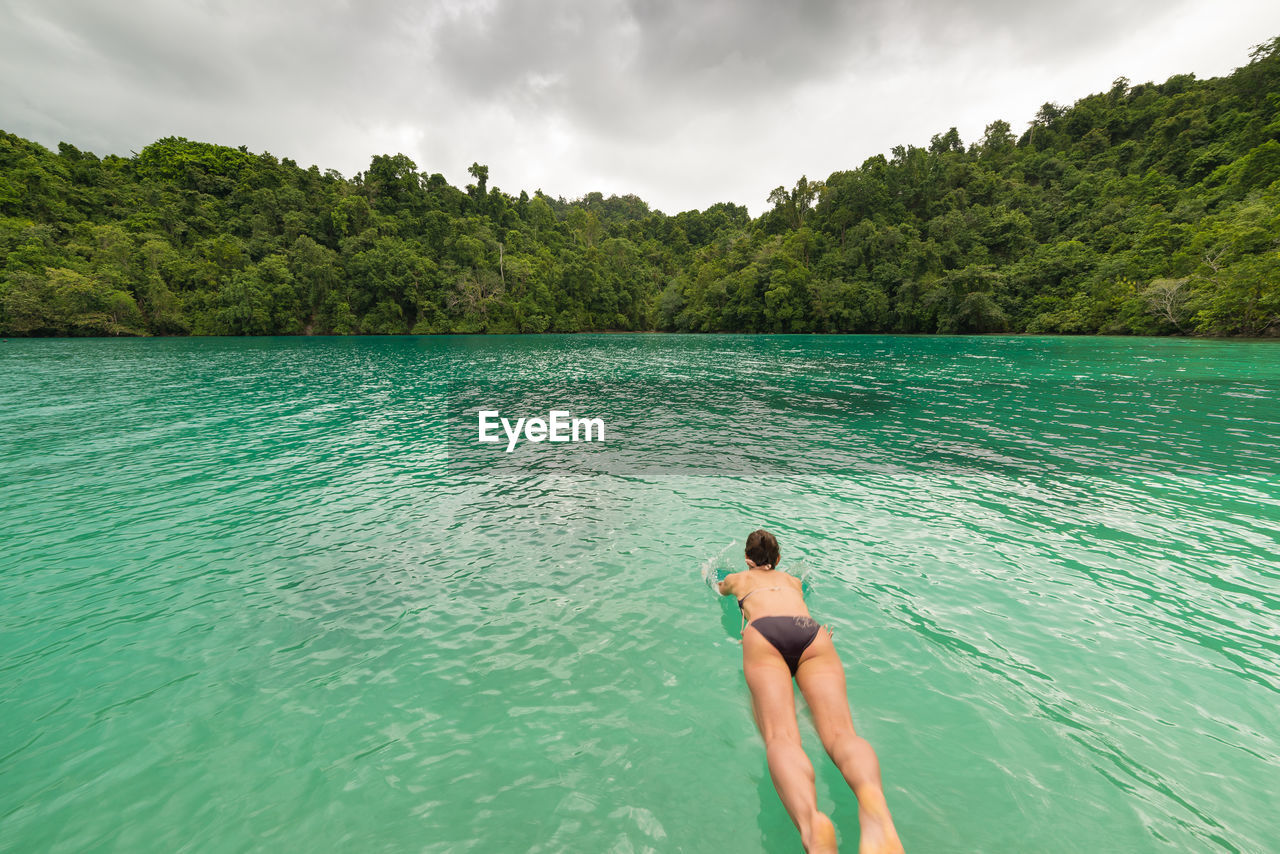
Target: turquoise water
262,594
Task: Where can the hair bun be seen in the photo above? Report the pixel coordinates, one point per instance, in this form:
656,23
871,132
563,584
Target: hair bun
762,549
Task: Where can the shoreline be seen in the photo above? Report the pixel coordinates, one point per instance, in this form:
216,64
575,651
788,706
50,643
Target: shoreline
662,332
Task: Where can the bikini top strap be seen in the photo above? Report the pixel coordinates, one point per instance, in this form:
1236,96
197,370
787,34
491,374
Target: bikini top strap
757,590
744,598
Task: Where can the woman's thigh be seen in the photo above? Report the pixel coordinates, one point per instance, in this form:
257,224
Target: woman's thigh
821,680
772,695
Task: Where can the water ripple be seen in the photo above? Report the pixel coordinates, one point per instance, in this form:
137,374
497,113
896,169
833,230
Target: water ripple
255,595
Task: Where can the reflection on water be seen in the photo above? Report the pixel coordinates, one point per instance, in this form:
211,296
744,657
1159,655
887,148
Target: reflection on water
254,592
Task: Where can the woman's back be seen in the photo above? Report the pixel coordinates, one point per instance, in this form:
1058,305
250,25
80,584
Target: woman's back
766,593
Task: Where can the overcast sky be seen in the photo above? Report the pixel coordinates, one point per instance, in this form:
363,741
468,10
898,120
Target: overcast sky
684,104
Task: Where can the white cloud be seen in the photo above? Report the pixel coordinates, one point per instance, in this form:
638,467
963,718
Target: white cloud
682,104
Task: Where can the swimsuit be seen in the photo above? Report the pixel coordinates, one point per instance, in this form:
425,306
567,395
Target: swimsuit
748,596
790,635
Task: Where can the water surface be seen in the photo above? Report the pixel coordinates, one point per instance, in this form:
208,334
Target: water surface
257,594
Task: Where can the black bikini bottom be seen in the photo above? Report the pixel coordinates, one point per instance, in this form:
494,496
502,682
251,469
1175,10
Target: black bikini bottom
790,636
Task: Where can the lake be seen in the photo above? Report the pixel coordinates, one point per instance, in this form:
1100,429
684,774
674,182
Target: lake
273,594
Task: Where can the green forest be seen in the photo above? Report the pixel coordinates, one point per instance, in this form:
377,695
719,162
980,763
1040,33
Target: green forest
1149,209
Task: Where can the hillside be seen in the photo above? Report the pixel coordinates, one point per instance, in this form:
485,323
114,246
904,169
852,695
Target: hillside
1147,209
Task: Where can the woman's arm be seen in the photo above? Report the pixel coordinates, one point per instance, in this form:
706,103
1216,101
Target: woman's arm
728,585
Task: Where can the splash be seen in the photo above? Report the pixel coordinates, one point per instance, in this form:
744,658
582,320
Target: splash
800,568
716,567
728,560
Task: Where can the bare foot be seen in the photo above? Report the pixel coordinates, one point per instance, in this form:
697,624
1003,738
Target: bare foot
879,836
822,836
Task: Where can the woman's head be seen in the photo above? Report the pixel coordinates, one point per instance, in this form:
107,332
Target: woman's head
762,549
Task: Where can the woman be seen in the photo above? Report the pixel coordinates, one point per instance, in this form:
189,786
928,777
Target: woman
780,641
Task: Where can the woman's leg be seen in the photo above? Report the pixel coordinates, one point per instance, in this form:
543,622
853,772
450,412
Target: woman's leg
774,705
821,680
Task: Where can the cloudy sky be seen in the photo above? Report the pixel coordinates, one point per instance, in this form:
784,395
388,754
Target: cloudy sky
684,104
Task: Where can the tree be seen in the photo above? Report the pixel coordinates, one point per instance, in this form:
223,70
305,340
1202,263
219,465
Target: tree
62,301
797,202
997,137
1167,301
478,191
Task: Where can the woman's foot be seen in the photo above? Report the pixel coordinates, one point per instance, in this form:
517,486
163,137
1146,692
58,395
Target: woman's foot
879,836
822,836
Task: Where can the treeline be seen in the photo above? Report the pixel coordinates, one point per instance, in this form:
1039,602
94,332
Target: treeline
1148,209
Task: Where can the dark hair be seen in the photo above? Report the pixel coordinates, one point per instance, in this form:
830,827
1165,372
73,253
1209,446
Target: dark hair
762,548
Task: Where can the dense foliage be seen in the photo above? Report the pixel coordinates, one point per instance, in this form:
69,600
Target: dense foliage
1147,209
